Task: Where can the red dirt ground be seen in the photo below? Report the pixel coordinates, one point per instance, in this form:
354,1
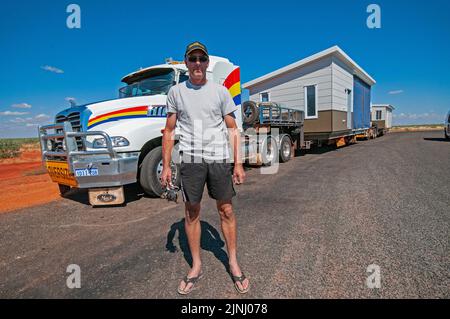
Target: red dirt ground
24,182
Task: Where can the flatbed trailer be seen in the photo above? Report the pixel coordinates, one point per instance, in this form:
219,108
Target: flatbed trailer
271,129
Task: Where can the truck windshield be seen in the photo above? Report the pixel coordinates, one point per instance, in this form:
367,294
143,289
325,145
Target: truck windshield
156,81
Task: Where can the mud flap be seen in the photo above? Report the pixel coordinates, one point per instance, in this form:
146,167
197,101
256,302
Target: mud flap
106,196
341,142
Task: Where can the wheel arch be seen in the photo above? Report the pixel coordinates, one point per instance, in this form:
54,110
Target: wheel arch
148,146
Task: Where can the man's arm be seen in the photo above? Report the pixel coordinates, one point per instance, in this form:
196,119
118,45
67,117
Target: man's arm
235,140
167,147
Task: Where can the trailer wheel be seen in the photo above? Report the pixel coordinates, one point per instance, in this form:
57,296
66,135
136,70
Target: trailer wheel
285,149
250,112
63,189
151,169
269,151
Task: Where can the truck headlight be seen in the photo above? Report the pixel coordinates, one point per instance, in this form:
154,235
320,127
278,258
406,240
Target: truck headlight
117,141
120,141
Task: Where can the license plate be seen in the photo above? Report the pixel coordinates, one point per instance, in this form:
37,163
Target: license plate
86,172
59,173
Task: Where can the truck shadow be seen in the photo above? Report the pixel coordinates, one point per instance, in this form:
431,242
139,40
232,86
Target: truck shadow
436,139
133,192
210,241
315,150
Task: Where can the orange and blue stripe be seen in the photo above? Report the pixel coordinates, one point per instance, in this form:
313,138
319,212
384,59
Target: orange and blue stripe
128,113
233,84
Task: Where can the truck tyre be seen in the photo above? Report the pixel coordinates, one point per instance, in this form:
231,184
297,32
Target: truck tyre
151,169
63,189
447,137
285,149
269,151
250,112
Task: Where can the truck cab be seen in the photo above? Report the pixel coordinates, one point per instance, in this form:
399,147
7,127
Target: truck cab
105,145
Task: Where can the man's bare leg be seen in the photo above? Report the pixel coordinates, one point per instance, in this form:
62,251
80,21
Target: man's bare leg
228,223
193,232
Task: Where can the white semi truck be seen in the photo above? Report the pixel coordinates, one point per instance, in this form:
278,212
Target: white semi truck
105,145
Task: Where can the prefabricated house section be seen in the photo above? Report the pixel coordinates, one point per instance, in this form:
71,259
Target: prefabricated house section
332,90
382,115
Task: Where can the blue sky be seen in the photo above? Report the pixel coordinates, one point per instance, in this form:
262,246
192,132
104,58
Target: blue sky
43,62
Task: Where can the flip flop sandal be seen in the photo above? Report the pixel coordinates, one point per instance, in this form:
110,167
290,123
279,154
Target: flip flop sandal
187,281
240,279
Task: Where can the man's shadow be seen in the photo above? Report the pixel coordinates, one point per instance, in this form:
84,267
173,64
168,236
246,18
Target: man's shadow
210,240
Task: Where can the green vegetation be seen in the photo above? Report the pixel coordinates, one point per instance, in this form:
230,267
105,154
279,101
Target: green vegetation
10,147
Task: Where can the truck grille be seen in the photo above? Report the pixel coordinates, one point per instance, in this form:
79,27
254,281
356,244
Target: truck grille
75,121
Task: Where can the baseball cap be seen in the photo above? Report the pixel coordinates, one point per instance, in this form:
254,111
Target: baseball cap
195,46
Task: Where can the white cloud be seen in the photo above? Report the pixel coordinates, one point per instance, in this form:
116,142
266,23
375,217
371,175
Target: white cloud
42,117
418,118
52,69
396,92
9,113
18,120
22,106
13,130
31,125
30,121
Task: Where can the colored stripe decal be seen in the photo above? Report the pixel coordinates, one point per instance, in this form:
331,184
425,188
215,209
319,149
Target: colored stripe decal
237,99
232,78
131,109
235,89
103,118
117,119
233,84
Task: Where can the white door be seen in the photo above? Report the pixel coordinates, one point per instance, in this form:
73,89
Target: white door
349,108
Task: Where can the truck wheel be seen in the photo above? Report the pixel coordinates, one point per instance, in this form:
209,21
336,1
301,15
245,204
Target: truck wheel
269,151
151,169
63,189
285,149
250,112
447,137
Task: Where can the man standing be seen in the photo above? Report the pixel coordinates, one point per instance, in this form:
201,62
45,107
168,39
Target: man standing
201,106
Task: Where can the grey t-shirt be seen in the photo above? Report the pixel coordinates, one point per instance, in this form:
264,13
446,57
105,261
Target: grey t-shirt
200,125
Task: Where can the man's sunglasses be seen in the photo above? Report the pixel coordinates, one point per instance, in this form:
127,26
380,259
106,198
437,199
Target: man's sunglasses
195,58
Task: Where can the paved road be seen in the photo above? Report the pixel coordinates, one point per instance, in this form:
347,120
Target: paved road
309,231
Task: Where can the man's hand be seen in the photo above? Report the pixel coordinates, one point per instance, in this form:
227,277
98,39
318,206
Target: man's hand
166,177
239,174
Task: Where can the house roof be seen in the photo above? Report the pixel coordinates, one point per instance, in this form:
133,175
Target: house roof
336,51
388,106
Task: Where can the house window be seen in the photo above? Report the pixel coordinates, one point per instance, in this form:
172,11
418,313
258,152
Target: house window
378,116
311,101
264,97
